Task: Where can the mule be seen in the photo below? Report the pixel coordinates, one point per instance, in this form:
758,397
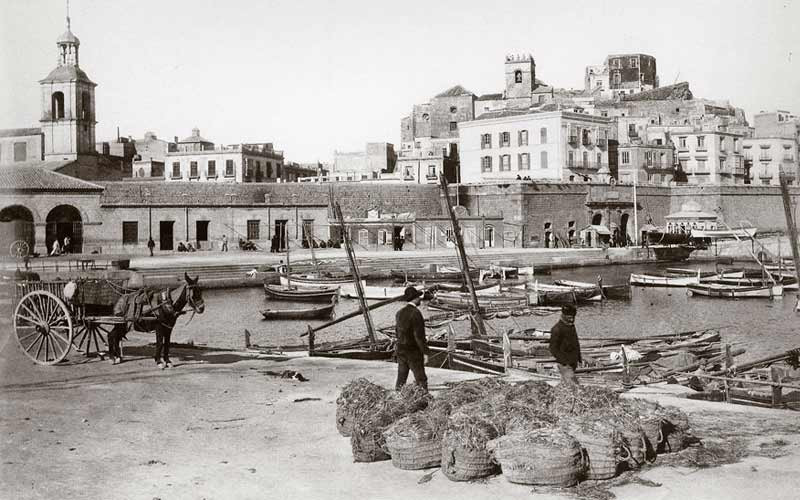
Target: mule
155,310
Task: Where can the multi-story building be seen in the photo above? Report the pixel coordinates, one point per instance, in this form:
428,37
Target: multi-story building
151,147
703,156
434,124
555,145
769,157
646,163
21,145
522,89
426,165
293,171
622,74
258,162
376,159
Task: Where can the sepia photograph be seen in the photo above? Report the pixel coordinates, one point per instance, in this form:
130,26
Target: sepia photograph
395,250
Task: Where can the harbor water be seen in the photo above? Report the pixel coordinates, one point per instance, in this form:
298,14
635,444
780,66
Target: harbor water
761,326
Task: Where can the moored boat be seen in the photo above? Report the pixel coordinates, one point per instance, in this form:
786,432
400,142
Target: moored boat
622,291
318,312
300,294
744,233
734,291
663,280
348,290
316,280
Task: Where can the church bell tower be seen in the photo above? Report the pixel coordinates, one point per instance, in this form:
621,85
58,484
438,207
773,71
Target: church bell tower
68,118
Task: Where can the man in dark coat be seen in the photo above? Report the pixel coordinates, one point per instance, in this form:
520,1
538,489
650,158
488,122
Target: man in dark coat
412,346
564,344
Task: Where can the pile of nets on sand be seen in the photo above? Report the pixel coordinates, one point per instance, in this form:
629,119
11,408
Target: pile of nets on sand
530,431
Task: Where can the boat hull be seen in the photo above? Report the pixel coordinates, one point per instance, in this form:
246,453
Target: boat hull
321,312
373,292
310,281
323,295
656,280
733,291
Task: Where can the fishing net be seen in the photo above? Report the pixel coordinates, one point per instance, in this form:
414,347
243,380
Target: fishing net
357,396
367,439
573,399
603,444
464,454
541,456
647,415
676,428
415,441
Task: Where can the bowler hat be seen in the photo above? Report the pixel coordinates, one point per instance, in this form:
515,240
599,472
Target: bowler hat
411,293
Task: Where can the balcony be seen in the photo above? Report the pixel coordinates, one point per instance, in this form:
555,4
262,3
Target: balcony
573,140
788,159
586,141
657,166
633,133
602,143
763,157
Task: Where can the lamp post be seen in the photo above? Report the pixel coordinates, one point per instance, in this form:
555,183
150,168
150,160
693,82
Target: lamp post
230,209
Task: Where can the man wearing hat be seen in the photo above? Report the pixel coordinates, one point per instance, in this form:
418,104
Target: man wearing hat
412,346
564,345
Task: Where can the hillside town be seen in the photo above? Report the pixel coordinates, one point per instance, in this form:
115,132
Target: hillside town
623,129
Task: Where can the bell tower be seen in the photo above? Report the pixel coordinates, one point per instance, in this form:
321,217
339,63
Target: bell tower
520,72
68,118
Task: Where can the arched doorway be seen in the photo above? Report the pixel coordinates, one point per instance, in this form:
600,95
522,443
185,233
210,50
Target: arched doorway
65,221
623,227
16,224
597,219
488,236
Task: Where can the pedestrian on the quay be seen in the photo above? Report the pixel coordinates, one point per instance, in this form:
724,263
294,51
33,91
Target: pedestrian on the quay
224,243
67,244
151,245
412,346
564,344
56,249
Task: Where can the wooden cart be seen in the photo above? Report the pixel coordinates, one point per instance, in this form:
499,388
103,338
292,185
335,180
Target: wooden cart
47,325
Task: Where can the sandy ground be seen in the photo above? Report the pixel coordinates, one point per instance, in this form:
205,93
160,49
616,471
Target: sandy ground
216,426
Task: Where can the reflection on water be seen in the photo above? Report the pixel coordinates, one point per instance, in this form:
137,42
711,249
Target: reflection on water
760,326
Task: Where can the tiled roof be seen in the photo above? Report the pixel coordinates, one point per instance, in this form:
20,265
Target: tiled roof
66,73
19,132
505,112
41,178
455,91
151,193
490,97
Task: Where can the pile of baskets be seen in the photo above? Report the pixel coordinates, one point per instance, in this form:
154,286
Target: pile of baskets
531,432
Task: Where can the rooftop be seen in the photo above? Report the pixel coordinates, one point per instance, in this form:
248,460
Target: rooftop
455,91
19,132
27,177
67,73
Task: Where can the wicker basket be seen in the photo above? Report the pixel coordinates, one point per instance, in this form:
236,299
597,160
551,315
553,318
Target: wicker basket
464,464
602,442
415,442
637,446
422,455
367,444
344,421
676,429
542,457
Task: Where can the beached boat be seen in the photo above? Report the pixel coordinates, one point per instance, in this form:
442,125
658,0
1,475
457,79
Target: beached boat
318,312
734,291
300,294
429,276
663,280
373,292
315,280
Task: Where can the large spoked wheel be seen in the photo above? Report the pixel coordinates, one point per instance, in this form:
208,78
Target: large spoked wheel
43,327
19,249
91,338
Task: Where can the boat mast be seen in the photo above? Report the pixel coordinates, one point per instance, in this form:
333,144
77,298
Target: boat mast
635,209
478,319
792,227
354,268
288,265
313,255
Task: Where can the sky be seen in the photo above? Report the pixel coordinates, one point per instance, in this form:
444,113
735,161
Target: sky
313,77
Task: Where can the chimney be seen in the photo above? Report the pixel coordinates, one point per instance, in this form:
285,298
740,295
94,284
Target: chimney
176,139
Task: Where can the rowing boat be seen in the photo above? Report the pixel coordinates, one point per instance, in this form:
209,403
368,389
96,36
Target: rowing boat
734,291
316,280
318,312
373,292
297,294
663,280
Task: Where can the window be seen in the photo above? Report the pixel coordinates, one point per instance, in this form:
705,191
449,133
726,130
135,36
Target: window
431,171
193,170
259,175
626,157
453,109
662,160
634,62
682,142
570,159
417,145
524,161
453,126
505,139
57,105
278,170
599,159
617,78
201,230
648,158
722,144
86,105
229,168
543,135
486,164
20,151
249,170
252,229
409,173
585,159
518,76
701,165
505,163
130,233
522,138
701,142
211,169
543,159
176,170
486,141
632,130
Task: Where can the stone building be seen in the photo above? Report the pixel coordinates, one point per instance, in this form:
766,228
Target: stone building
434,124
646,163
378,158
522,89
773,149
622,74
555,145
